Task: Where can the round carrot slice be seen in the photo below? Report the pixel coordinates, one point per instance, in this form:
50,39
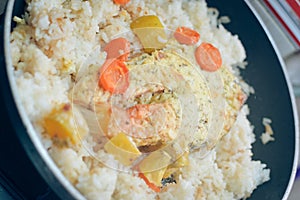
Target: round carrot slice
118,48
114,77
208,57
121,2
186,35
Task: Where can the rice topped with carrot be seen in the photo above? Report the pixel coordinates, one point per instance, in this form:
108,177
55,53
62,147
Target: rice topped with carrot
138,99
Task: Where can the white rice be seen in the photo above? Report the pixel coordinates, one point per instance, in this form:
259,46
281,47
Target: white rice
267,135
60,38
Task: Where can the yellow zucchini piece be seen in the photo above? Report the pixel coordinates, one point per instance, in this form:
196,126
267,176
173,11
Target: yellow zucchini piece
182,161
122,148
66,124
150,32
173,168
154,166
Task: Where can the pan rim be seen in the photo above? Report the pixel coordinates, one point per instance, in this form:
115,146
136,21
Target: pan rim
291,94
41,153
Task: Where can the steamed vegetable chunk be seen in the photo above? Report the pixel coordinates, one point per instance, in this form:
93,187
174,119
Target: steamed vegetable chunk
153,167
187,36
122,149
114,77
66,124
150,32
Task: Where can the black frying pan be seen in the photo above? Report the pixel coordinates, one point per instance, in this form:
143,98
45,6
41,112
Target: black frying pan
272,99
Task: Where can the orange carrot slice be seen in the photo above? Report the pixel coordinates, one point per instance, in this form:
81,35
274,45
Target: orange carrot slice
150,185
121,2
186,35
208,57
114,76
118,48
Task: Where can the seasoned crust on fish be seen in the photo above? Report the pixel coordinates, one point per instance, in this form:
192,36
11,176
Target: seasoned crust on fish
187,104
180,78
